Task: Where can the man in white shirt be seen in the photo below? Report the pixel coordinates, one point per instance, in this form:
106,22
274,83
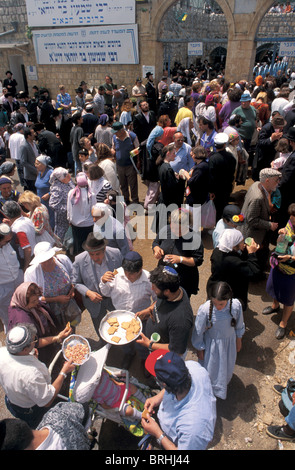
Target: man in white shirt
11,276
130,289
26,381
99,101
15,141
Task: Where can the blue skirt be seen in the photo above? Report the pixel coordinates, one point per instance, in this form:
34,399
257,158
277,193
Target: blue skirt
281,287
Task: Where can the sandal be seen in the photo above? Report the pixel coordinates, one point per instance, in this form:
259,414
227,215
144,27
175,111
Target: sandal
278,388
277,432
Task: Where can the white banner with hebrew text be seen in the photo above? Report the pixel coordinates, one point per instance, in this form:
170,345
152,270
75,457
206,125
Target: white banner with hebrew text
99,45
79,12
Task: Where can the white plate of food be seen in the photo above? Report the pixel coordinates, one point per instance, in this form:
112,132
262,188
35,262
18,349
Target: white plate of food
77,348
120,327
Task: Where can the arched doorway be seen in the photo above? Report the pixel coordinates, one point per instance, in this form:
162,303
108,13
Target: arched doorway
275,29
189,22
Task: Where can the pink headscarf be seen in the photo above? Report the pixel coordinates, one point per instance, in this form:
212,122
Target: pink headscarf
82,182
19,300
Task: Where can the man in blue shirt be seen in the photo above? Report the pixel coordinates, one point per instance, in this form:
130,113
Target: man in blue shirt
183,157
123,143
187,406
63,100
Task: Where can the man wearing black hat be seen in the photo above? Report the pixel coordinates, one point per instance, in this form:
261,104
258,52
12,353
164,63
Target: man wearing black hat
187,406
268,137
151,92
46,113
287,181
88,268
10,83
144,122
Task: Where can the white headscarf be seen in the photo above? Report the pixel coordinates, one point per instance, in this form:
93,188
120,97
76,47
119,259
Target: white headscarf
230,238
184,128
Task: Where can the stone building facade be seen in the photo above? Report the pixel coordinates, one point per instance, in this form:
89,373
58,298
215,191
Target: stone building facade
17,51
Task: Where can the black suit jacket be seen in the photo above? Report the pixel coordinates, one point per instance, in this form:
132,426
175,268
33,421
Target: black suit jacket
142,127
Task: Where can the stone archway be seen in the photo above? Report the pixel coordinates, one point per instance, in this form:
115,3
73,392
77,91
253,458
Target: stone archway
242,22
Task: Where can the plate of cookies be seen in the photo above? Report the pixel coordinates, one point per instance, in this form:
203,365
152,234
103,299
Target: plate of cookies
120,327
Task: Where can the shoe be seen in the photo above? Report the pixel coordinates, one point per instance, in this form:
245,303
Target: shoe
277,432
278,389
269,310
280,333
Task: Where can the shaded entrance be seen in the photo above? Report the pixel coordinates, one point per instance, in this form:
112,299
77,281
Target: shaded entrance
193,21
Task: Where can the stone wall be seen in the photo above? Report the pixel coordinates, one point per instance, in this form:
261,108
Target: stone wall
241,48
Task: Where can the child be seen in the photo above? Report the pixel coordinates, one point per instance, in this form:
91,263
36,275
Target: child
84,159
284,152
217,336
108,393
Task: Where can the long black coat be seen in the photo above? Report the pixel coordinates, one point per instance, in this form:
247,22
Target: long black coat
236,270
198,184
265,150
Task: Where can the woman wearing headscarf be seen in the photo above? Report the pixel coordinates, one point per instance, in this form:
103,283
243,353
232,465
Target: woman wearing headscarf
150,171
60,185
103,132
235,263
186,127
26,307
79,205
42,185
52,272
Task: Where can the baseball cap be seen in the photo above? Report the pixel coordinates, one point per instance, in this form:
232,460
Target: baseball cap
167,366
232,213
117,126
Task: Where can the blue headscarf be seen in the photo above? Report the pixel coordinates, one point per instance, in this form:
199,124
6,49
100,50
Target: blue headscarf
158,131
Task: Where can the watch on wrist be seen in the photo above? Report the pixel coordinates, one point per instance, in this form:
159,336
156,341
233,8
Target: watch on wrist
150,346
159,439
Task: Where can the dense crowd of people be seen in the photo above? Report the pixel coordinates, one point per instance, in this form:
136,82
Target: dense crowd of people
66,242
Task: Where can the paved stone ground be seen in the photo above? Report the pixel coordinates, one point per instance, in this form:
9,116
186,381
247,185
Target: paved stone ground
251,404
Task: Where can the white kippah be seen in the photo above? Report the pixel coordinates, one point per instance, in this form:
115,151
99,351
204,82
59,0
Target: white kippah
17,334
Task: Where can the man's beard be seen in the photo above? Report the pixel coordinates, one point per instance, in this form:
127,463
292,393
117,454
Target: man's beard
161,295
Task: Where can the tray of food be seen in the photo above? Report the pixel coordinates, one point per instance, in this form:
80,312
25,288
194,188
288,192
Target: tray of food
120,327
77,348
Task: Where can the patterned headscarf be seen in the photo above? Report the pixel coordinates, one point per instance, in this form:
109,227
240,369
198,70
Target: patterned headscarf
157,132
19,300
82,182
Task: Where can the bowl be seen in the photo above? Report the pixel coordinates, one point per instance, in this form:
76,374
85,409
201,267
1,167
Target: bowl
81,349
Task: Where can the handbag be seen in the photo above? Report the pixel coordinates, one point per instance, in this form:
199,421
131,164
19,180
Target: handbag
73,313
208,214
